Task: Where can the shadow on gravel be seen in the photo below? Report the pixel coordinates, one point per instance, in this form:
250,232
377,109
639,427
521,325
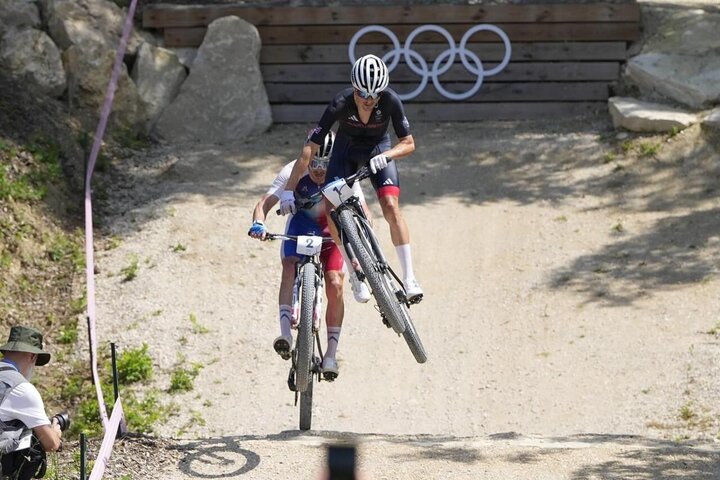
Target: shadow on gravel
622,457
654,460
679,250
217,458
638,458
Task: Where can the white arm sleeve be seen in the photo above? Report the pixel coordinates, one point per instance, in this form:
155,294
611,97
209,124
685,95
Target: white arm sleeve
278,185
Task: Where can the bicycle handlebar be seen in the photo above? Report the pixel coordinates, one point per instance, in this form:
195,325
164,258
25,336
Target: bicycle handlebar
282,236
362,173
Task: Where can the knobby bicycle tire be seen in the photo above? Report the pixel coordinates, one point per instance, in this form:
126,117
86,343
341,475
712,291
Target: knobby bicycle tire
306,406
381,290
412,338
305,338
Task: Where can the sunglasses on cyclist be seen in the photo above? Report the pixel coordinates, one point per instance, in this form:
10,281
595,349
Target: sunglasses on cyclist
367,96
319,163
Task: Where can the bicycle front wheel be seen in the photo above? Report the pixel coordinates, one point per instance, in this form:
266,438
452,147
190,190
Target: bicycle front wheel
412,338
306,406
305,339
383,293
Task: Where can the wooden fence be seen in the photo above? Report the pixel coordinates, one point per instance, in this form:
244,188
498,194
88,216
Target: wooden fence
564,56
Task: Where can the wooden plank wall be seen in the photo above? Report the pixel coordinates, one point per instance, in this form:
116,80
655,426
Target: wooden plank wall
564,56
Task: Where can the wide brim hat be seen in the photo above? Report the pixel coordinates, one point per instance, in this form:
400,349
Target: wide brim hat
26,339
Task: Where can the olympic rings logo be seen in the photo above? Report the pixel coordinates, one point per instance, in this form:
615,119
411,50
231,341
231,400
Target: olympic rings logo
442,63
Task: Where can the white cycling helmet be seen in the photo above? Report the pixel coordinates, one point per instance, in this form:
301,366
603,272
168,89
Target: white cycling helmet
325,149
370,75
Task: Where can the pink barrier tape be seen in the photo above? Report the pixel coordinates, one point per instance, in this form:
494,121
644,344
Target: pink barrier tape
108,441
89,250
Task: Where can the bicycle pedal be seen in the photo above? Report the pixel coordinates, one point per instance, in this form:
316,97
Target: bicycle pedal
416,299
291,381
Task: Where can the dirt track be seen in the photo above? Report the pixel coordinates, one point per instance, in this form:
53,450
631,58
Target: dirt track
568,292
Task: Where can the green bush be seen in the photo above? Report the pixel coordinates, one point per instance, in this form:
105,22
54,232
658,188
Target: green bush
134,365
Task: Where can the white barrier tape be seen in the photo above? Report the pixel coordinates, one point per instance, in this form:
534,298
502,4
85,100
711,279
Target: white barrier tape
108,441
89,249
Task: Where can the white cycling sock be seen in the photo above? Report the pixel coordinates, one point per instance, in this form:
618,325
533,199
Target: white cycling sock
348,263
285,317
333,338
405,256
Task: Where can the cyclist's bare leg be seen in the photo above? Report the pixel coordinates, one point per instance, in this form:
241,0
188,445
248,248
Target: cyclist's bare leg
400,236
334,319
399,232
335,303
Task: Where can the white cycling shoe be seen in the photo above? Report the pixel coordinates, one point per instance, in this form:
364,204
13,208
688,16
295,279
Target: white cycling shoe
330,369
360,291
413,290
283,346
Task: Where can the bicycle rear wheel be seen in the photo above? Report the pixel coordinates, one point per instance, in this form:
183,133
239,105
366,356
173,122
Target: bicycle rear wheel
305,339
306,398
382,291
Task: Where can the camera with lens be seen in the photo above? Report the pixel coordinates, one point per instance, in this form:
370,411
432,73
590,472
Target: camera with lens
63,420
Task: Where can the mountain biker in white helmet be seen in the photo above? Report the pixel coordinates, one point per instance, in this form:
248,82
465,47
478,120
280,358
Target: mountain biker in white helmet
306,221
364,113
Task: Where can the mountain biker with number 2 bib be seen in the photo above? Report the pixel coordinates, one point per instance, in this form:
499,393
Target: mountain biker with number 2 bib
306,221
364,113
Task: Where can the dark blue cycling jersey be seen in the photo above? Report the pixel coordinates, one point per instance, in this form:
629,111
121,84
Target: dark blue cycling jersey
356,142
342,109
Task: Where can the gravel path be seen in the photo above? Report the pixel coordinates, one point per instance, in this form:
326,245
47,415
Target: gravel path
570,289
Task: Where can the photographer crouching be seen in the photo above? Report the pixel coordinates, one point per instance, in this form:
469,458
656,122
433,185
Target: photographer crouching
26,432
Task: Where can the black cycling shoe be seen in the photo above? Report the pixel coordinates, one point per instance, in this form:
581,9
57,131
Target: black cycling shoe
282,346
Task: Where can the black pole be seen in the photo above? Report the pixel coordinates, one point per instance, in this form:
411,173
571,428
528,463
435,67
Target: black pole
114,371
122,426
83,453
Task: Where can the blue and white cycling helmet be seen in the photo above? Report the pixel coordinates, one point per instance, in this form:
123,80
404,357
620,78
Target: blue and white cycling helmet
370,75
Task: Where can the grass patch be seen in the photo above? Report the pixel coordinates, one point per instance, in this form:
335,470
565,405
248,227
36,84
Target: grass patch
179,247
135,365
181,378
687,413
197,327
68,334
648,149
63,247
130,271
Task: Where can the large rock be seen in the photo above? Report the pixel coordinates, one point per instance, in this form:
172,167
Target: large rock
691,80
639,116
31,56
89,68
18,14
76,22
185,55
684,32
223,98
712,120
158,75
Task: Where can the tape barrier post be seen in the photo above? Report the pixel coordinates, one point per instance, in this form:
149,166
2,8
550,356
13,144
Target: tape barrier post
83,455
108,441
122,428
89,252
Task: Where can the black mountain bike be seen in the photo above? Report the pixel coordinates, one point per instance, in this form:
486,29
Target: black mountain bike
307,354
362,245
